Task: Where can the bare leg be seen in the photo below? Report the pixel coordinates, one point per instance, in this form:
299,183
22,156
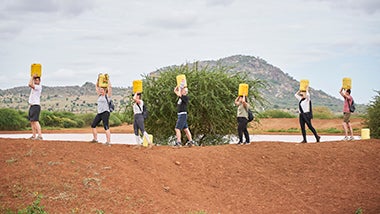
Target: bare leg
345,129
38,128
178,134
95,134
32,124
188,134
350,128
108,135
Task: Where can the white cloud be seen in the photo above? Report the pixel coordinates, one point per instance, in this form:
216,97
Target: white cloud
75,40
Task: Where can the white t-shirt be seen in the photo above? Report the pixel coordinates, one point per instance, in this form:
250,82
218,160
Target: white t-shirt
136,109
35,94
305,104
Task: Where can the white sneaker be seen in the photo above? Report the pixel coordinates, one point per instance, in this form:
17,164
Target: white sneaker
345,138
351,138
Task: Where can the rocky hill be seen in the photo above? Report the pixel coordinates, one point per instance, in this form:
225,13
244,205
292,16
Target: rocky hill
279,91
280,86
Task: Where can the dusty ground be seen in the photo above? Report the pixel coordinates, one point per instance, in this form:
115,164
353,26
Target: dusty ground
264,177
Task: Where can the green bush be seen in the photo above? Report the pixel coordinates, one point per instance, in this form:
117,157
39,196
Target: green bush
212,92
11,119
87,118
373,116
60,119
276,114
322,112
114,120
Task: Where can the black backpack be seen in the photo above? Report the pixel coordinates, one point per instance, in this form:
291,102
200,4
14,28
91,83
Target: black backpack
352,106
111,105
144,111
250,115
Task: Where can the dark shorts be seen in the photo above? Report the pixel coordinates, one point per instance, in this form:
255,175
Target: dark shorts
34,113
105,116
181,122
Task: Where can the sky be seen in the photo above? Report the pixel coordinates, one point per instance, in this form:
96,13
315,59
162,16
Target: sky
319,40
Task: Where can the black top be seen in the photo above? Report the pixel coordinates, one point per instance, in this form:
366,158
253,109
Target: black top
182,103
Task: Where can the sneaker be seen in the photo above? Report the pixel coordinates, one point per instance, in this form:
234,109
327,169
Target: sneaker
177,144
351,138
345,138
239,144
94,141
190,143
39,138
318,139
32,138
107,144
247,143
303,141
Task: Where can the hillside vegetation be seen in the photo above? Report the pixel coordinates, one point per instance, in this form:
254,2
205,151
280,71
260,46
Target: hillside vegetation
279,91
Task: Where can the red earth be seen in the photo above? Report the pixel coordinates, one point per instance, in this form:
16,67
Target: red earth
263,177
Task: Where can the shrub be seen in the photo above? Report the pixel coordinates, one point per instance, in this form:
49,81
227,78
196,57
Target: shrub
114,120
11,119
60,119
87,118
212,91
373,116
322,112
276,114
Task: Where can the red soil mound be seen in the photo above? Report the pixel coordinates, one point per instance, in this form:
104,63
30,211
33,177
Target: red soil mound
265,177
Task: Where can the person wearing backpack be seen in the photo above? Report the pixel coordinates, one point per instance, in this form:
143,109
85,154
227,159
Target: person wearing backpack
242,119
348,103
103,112
306,114
138,119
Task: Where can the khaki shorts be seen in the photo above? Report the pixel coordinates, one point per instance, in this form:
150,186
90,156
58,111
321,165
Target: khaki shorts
346,117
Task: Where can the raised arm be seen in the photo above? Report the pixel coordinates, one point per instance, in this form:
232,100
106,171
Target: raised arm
137,100
31,82
97,87
298,95
177,91
343,93
237,102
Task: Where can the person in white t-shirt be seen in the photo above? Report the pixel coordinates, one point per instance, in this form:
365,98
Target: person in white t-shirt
306,114
35,107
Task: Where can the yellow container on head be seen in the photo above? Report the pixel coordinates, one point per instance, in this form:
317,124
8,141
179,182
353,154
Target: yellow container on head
145,142
103,80
181,81
365,134
304,84
347,83
243,89
35,70
137,86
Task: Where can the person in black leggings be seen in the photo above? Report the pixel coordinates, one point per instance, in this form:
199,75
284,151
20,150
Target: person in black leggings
242,119
305,114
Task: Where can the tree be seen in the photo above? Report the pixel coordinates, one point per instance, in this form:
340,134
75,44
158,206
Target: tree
373,116
212,91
